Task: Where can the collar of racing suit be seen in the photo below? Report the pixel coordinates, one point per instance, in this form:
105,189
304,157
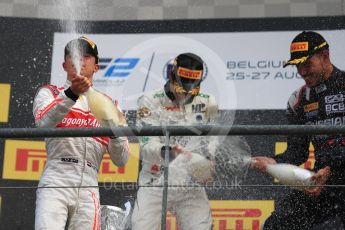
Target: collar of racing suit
334,78
171,95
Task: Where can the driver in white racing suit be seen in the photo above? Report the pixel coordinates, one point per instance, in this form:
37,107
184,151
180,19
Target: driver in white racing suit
68,193
178,103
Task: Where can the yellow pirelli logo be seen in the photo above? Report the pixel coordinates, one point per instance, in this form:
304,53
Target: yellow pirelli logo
299,46
280,147
25,160
5,91
311,107
108,172
234,214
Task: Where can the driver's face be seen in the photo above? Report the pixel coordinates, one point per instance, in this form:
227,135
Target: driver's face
181,94
87,65
312,70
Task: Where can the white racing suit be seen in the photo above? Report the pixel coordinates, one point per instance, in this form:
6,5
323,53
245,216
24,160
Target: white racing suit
189,204
72,162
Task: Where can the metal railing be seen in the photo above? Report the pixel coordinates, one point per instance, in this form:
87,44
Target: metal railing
211,130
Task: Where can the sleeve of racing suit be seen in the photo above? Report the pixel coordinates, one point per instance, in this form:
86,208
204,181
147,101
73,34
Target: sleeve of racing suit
213,114
148,114
50,109
118,148
297,151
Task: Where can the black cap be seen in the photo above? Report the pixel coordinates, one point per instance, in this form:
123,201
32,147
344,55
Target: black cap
304,45
82,45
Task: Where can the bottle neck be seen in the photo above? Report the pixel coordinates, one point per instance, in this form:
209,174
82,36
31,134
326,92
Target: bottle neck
90,90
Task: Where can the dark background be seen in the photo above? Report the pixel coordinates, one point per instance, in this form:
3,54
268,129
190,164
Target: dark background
25,63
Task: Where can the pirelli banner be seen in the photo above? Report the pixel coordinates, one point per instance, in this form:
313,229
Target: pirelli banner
234,214
25,160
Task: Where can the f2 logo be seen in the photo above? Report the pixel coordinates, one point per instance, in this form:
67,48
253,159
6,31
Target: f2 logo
121,67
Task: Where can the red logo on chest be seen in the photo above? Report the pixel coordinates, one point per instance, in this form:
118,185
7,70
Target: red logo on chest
78,118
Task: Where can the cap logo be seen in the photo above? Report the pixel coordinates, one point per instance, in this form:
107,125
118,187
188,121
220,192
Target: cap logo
320,46
299,46
91,43
190,74
298,61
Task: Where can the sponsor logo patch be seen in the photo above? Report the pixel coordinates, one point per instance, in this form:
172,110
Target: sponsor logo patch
335,108
198,108
331,121
320,88
334,98
143,112
299,46
310,107
312,114
190,74
172,108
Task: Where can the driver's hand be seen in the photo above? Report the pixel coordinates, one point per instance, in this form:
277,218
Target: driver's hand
80,84
320,178
260,163
176,150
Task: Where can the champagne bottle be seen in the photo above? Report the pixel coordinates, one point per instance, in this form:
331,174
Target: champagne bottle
104,110
291,175
200,169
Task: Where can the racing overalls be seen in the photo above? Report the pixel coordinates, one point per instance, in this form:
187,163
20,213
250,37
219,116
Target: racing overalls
323,104
189,204
68,188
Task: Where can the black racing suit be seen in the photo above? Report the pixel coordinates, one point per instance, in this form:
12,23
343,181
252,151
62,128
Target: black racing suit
320,105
